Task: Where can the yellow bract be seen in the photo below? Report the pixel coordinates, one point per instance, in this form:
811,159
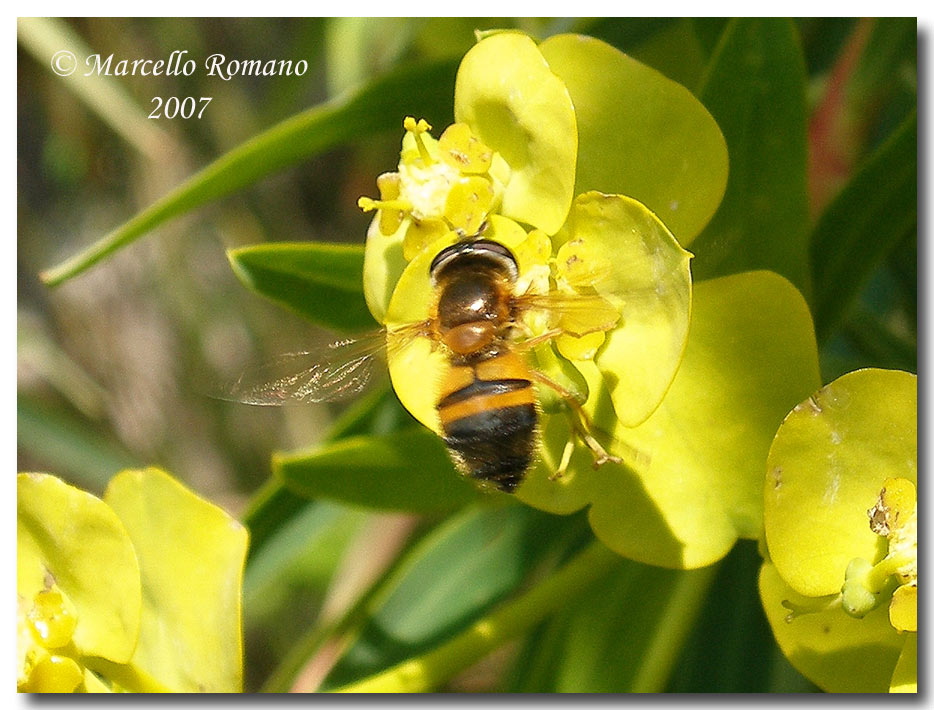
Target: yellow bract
140,593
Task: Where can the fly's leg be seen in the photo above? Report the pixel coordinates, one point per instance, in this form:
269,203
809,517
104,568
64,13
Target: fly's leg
537,340
565,461
582,426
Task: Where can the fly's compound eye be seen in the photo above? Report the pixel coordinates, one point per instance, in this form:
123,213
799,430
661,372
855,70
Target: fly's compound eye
478,251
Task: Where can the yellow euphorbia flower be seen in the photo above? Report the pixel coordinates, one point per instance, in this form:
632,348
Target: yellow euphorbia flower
137,592
841,532
688,424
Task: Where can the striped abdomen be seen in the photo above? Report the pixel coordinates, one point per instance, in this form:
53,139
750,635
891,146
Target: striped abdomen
489,419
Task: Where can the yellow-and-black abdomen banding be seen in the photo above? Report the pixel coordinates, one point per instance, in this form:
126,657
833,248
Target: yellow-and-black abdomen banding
490,426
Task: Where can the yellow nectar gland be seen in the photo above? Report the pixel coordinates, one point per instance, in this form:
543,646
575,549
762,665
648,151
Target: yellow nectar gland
43,628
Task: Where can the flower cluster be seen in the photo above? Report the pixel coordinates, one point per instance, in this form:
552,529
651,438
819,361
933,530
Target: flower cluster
137,592
507,167
840,583
549,156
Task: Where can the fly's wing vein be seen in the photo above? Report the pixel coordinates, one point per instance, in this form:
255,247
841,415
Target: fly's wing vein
323,374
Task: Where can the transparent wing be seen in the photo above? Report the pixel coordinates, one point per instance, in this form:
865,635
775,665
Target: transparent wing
330,372
577,314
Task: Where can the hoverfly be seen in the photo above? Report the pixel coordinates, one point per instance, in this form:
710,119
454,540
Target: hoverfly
487,403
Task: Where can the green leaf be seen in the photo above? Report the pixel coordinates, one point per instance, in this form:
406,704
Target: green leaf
406,470
68,538
625,36
828,463
289,586
274,505
107,96
322,282
866,220
191,557
755,89
73,446
422,90
449,579
357,48
307,546
732,622
641,134
692,479
624,633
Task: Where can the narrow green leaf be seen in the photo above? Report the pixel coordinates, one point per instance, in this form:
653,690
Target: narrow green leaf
732,621
421,90
356,48
406,470
458,572
625,36
45,38
74,447
869,218
274,505
431,669
295,567
322,282
625,632
755,89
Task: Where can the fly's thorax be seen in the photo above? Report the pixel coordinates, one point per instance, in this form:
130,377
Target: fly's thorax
474,286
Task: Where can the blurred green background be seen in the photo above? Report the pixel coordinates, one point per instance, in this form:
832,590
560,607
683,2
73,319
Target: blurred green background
115,367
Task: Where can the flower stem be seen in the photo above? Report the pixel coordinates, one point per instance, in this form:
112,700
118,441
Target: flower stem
428,671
